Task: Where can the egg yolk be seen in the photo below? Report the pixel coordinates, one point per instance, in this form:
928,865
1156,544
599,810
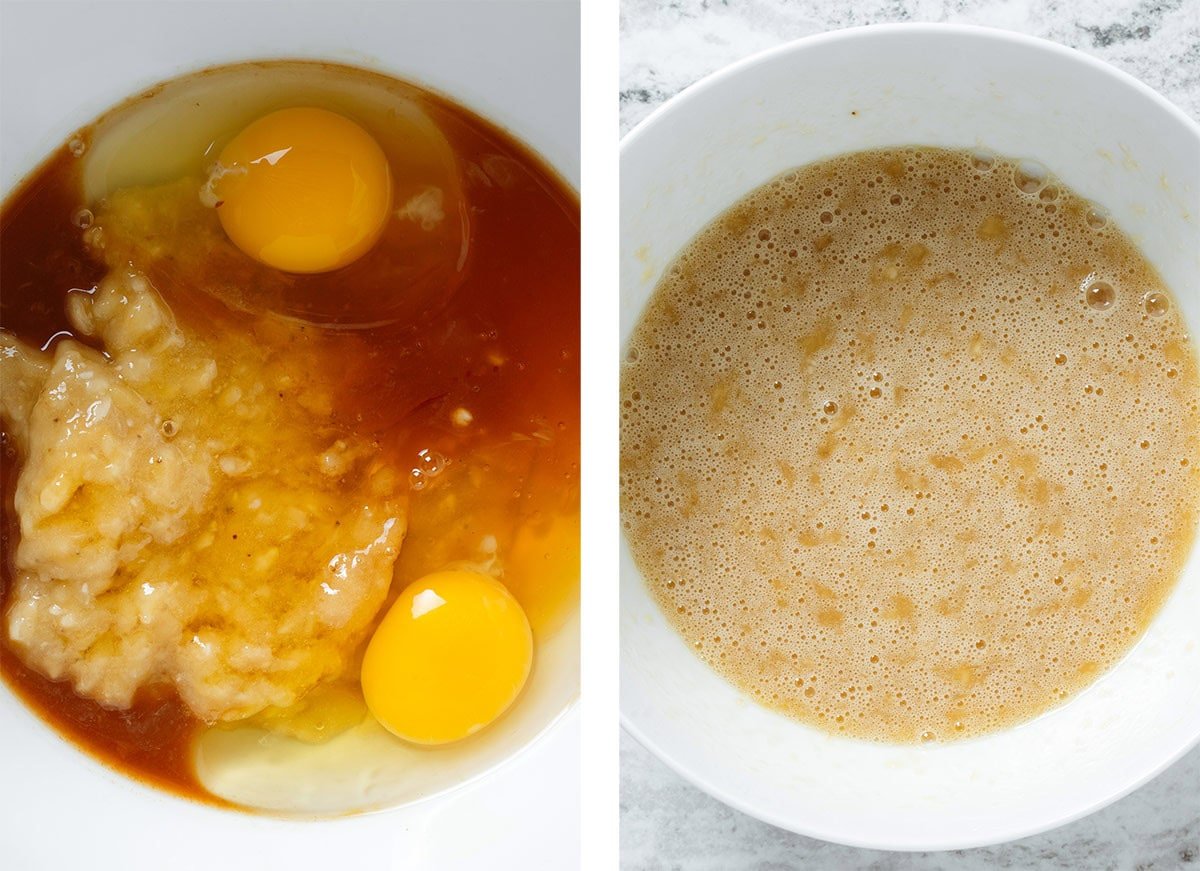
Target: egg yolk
303,190
450,656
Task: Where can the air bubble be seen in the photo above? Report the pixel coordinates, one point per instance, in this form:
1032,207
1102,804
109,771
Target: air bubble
1030,176
1100,295
82,218
429,465
77,146
1156,303
831,408
168,428
982,159
1096,217
826,217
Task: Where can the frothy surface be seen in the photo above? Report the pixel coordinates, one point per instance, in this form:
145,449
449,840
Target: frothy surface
910,444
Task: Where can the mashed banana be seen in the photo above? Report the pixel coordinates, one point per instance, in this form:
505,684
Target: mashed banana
190,512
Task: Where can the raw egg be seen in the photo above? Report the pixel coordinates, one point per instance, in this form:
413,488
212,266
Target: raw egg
303,190
450,656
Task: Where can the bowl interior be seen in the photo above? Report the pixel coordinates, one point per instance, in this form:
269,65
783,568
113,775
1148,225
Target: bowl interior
1105,136
47,96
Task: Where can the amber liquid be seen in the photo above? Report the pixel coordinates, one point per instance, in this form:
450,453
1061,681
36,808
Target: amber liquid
503,344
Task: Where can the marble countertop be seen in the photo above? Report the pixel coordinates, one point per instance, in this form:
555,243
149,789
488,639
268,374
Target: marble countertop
669,825
666,45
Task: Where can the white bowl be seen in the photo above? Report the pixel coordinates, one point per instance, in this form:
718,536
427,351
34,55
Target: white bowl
1110,139
493,58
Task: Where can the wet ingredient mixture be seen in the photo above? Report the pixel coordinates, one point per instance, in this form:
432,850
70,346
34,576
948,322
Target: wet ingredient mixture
232,438
910,444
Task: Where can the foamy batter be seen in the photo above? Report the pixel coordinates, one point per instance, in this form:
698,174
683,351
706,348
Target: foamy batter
910,444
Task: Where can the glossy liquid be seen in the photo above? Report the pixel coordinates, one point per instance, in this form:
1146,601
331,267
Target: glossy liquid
463,365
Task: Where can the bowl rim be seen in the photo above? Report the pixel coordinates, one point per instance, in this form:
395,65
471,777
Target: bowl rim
148,87
663,114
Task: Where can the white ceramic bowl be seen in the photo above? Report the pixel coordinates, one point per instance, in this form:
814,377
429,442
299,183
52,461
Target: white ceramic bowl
1107,137
62,65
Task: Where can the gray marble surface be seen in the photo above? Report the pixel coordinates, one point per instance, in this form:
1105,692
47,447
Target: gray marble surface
666,45
669,825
